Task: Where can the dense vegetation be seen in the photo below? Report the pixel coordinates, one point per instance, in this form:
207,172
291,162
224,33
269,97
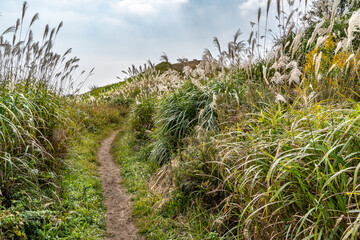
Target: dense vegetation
48,183
260,142
257,143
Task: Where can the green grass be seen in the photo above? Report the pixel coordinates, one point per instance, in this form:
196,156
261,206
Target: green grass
82,192
73,209
136,174
163,67
177,216
100,90
245,146
252,145
267,149
49,187
271,174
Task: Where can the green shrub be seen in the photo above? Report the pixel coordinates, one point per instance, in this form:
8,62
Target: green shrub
141,118
192,108
176,118
287,174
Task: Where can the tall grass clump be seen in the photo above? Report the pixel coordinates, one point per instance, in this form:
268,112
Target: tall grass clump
260,140
142,121
288,169
187,112
283,175
35,123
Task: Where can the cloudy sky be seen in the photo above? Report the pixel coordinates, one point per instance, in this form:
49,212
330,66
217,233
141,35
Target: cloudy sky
110,35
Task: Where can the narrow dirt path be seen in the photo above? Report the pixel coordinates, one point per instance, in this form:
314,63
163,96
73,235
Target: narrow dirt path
119,224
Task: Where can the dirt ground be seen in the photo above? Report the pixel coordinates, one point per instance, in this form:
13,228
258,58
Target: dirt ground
119,224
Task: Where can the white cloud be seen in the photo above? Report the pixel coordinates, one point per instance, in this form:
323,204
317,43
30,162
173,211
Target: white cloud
250,7
145,7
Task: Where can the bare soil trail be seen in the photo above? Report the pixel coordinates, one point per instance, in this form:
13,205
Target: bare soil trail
119,224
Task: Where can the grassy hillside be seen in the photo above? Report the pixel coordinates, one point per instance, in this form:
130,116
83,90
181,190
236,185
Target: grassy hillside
258,143
161,68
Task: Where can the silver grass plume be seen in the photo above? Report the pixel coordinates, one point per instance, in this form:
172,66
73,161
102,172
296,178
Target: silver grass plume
266,22
354,26
297,41
321,40
164,57
315,33
333,12
318,62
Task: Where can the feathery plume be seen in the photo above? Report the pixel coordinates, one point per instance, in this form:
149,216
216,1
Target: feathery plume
278,8
318,62
35,17
280,97
321,40
315,32
265,74
295,75
277,78
354,26
297,40
333,12
259,15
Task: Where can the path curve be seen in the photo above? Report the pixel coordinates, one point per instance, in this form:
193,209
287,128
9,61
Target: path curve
119,224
